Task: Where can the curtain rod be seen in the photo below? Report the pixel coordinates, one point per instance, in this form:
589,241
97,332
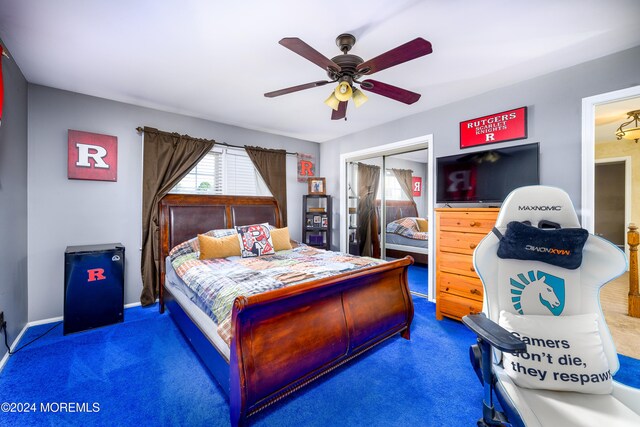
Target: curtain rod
140,129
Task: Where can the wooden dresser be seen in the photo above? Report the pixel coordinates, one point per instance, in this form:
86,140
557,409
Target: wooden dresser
458,232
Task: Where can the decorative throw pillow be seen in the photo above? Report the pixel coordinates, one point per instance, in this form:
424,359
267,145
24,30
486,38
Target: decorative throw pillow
280,238
561,247
255,240
218,247
423,224
564,353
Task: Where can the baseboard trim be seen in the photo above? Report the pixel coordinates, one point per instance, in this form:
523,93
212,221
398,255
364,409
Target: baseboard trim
15,342
13,345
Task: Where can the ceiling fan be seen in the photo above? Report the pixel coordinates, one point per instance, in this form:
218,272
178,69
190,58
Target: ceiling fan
347,69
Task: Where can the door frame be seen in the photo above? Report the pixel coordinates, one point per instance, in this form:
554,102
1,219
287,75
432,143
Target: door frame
627,191
407,145
588,148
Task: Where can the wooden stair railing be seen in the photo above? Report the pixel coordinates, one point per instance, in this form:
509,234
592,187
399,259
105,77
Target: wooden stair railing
634,293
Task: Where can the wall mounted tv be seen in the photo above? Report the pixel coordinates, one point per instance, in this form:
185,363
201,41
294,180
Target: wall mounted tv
486,176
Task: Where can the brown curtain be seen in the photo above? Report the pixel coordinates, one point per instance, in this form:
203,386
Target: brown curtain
406,183
272,167
368,182
168,157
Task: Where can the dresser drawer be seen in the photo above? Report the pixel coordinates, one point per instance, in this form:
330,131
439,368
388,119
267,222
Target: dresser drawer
463,286
463,243
454,306
456,263
467,222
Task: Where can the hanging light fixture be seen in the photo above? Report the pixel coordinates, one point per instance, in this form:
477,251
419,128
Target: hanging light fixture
343,92
332,101
359,97
630,132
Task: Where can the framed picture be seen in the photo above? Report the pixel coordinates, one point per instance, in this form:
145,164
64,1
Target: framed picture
316,220
316,186
325,221
309,222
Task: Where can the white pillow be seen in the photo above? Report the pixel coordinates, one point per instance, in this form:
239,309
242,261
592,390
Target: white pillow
564,353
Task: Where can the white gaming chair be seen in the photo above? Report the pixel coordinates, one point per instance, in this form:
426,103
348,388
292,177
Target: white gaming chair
601,262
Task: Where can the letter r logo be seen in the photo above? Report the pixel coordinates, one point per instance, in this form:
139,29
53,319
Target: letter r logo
306,168
96,152
96,274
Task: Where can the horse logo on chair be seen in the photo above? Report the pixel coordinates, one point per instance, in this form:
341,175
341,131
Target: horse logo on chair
537,288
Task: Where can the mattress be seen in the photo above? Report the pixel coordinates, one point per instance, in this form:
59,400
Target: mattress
186,298
405,241
213,284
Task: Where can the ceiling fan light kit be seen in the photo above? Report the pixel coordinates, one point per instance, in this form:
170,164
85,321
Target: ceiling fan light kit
346,69
332,101
359,97
343,91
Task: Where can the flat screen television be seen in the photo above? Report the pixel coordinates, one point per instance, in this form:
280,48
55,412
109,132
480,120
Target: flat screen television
486,176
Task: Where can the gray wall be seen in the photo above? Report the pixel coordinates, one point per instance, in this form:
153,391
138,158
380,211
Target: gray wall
66,212
554,104
13,201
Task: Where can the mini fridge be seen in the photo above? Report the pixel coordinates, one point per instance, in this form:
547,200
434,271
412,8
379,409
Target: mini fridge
93,286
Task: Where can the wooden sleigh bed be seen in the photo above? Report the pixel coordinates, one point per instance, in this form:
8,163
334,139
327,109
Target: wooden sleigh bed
285,338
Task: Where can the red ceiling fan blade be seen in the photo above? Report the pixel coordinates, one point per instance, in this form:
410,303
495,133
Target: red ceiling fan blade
296,88
390,91
406,52
306,51
341,112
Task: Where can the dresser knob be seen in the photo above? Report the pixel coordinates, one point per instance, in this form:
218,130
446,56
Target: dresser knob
475,291
473,223
446,289
472,245
472,269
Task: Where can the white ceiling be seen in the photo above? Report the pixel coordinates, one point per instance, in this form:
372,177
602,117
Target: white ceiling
214,59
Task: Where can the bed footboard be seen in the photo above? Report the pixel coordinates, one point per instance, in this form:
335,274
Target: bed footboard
286,338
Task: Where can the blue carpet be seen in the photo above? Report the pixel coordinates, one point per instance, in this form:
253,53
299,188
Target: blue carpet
629,372
143,372
419,279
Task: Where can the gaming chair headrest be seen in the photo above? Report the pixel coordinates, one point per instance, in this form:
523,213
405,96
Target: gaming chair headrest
538,203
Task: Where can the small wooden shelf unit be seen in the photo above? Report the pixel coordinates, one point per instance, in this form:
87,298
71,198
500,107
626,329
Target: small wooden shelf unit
458,232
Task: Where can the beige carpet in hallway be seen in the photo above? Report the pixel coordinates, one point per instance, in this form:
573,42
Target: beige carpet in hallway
625,329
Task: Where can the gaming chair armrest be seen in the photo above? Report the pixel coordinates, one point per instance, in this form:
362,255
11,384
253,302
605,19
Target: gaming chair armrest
494,334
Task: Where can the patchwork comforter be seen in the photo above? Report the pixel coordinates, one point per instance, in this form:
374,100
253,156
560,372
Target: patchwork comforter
407,227
216,283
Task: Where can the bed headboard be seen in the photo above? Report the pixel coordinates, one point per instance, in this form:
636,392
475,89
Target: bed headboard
397,209
183,216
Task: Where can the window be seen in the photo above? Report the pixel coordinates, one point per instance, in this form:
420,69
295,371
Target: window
227,171
392,189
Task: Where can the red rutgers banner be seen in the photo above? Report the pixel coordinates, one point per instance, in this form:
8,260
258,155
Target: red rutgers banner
506,126
416,182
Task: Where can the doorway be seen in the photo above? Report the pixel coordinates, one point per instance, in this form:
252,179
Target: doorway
590,127
612,207
601,115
